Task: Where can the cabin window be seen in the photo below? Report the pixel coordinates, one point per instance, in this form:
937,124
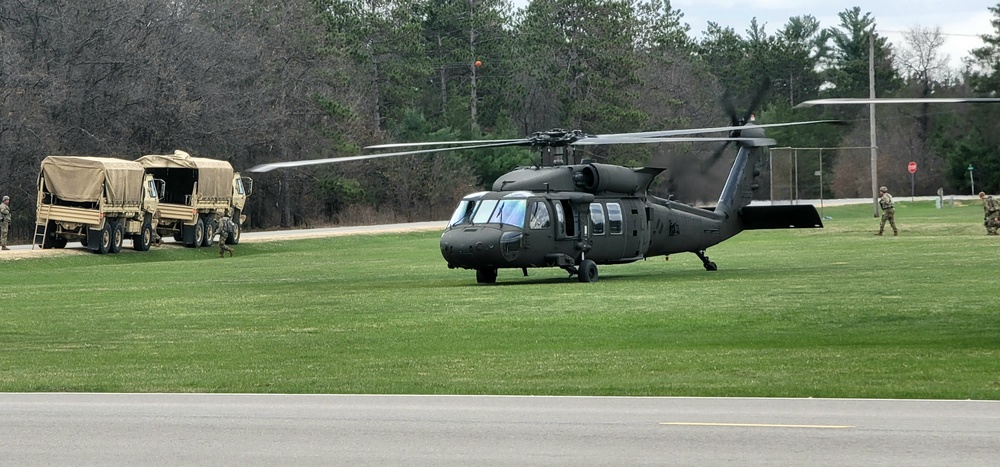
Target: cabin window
597,218
560,218
239,186
539,216
615,219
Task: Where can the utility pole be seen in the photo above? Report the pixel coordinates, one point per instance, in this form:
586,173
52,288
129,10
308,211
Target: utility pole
871,115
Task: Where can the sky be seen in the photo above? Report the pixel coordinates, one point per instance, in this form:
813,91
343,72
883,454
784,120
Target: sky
961,21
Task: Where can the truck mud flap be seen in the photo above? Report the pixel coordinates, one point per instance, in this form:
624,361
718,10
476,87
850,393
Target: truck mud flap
93,239
187,234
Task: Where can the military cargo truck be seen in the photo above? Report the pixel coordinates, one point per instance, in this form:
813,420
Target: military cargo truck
98,201
198,193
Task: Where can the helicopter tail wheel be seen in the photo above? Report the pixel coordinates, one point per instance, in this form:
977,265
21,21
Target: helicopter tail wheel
486,276
709,265
588,271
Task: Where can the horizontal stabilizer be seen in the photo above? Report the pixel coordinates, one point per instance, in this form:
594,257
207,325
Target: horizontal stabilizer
803,216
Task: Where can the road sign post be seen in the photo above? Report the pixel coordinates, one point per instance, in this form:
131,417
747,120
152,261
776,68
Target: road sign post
912,167
972,181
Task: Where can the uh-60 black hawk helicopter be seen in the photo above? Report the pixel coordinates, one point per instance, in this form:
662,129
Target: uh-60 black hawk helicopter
576,214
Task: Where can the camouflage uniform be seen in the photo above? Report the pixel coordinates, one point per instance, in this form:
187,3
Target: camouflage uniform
225,228
4,222
991,213
155,223
888,212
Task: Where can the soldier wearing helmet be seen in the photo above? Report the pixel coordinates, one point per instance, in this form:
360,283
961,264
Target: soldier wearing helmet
888,212
991,213
225,230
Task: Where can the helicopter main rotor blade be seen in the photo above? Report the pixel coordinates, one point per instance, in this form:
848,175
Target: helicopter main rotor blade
602,140
898,100
695,131
443,143
278,165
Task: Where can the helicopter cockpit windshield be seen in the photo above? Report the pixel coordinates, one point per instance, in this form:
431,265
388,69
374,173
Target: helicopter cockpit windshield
509,210
466,207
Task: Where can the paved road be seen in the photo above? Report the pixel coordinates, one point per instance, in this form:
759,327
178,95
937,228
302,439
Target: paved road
206,429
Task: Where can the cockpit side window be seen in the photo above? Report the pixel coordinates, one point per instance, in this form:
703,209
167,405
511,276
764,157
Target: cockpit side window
463,213
539,216
597,218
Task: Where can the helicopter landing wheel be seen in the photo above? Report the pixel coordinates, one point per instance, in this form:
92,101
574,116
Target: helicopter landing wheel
486,276
709,265
588,271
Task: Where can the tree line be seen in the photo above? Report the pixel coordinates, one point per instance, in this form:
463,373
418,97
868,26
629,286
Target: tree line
254,81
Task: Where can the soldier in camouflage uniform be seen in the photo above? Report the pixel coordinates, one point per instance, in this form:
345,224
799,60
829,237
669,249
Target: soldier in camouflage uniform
225,228
4,222
888,212
155,223
991,213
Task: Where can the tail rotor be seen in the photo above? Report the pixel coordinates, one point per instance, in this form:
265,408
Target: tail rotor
737,119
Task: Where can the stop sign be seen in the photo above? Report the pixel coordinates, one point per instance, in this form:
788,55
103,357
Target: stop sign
912,167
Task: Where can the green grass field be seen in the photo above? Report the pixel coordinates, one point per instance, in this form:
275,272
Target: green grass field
835,312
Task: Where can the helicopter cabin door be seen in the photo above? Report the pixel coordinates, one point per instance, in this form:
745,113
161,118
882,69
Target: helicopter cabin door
606,229
636,229
567,220
617,230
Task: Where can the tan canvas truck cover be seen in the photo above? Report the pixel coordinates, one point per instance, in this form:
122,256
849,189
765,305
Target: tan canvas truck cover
215,177
82,179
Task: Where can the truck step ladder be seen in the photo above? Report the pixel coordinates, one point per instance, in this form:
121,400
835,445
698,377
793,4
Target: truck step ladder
40,237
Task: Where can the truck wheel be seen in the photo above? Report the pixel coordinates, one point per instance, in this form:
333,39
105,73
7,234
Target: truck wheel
144,239
105,244
59,242
199,234
234,236
117,237
209,233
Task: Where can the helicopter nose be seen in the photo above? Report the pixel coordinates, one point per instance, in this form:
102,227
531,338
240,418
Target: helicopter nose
479,247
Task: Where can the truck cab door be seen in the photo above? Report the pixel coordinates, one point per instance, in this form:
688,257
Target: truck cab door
242,188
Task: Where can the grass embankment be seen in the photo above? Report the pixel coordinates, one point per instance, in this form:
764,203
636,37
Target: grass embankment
835,312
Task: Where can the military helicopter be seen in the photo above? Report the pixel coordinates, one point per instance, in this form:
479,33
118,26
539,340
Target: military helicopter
575,214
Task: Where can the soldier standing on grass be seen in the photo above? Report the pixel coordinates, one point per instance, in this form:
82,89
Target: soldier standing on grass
155,223
991,213
4,222
225,228
888,212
